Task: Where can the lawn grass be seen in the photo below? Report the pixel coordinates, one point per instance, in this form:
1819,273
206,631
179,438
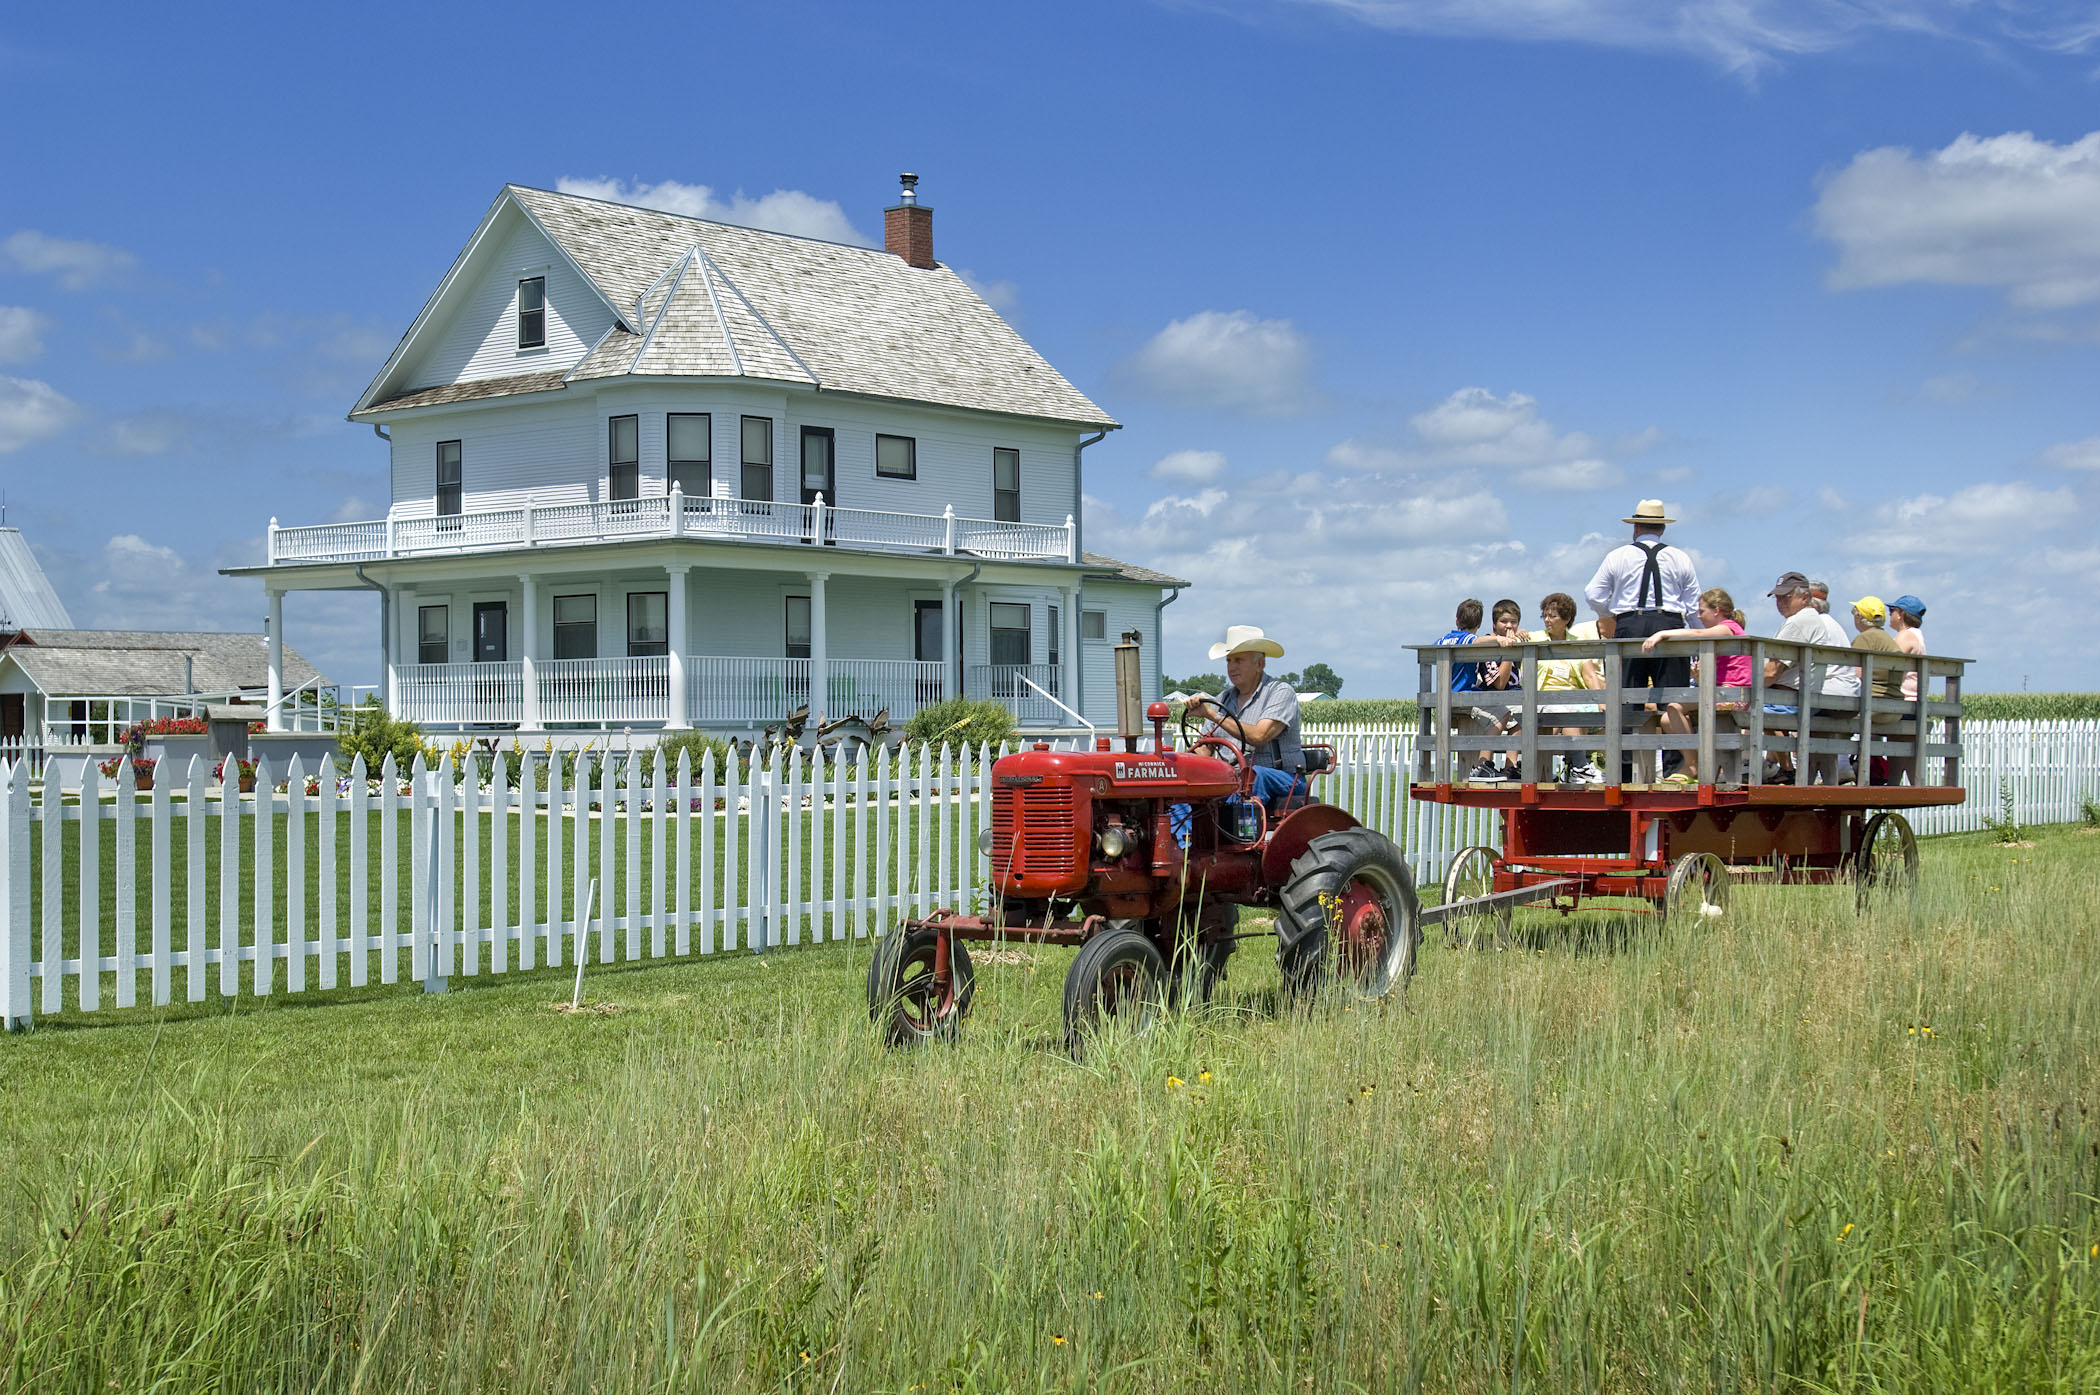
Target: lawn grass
1791,1149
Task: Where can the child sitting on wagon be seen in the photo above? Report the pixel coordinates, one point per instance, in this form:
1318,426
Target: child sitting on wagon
1717,620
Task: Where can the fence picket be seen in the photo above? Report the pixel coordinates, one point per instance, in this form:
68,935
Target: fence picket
229,879
360,830
681,838
327,807
470,868
389,870
632,818
163,883
659,795
295,876
89,901
127,851
17,1005
732,828
499,869
53,882
556,841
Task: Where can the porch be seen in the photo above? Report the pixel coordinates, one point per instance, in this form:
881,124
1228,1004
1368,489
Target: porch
706,690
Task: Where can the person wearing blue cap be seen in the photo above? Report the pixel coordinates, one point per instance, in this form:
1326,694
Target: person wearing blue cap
1906,614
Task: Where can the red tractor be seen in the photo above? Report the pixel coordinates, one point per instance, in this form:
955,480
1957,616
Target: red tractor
1144,860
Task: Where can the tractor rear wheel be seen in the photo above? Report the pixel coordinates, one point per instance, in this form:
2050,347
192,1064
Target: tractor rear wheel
1349,916
1119,978
903,998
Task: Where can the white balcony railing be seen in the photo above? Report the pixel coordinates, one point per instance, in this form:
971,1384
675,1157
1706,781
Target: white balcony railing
1022,688
605,692
675,515
460,694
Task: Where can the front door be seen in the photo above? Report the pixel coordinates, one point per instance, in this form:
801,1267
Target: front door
491,632
926,648
820,470
14,719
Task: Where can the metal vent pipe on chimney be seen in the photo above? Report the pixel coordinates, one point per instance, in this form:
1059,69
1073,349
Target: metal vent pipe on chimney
907,226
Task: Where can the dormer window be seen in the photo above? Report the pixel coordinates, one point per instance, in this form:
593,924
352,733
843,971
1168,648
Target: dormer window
532,312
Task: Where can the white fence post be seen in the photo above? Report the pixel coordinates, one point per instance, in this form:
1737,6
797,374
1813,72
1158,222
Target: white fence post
17,1013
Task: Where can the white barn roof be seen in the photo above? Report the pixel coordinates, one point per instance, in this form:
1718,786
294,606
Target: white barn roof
26,598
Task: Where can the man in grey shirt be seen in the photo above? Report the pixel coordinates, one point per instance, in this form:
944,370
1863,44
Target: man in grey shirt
1258,710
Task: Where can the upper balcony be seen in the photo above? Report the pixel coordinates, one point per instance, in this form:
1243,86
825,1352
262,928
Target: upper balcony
675,515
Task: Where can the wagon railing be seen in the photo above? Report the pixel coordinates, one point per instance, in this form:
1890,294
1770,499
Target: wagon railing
1733,729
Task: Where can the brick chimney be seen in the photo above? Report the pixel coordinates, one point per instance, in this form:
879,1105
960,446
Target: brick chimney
907,225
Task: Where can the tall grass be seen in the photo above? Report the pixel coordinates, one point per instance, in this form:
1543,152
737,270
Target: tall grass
1789,1150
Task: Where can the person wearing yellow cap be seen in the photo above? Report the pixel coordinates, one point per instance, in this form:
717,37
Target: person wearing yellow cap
1870,618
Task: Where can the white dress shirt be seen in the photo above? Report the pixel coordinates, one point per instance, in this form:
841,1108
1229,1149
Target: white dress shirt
1616,588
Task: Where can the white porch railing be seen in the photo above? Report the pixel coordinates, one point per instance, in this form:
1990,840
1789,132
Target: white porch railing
605,692
1003,683
459,694
744,691
675,515
865,687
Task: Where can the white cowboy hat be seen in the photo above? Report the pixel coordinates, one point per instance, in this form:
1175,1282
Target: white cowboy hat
1246,639
1649,511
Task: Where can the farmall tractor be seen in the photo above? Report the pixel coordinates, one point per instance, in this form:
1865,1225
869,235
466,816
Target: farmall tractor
1145,859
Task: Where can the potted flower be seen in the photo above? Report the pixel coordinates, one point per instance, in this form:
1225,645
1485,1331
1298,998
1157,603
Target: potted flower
141,770
244,771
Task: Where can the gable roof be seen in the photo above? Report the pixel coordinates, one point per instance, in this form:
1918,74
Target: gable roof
1130,571
699,299
26,597
148,663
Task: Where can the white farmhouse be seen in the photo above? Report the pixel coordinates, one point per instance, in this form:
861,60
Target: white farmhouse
656,472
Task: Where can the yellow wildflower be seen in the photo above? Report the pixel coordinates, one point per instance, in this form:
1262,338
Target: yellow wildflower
1095,1294
1056,1340
1203,1077
1174,1082
1845,1232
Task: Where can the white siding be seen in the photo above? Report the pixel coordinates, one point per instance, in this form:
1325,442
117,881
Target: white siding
478,336
556,452
1129,606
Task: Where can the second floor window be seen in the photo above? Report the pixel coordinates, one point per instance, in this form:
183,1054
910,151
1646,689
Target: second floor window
448,477
897,457
758,458
433,634
624,451
688,442
532,312
575,627
1006,486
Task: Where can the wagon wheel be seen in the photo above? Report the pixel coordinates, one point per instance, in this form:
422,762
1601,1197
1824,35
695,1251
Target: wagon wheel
1119,978
1885,863
1697,890
1472,875
1349,916
903,998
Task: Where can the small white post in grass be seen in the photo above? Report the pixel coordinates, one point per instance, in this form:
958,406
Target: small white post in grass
583,923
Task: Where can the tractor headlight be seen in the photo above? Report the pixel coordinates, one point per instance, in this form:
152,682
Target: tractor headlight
1114,842
984,842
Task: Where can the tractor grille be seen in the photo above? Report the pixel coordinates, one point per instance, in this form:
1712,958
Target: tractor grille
1043,820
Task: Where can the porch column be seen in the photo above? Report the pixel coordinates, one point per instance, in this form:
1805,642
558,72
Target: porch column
674,617
406,635
1068,650
275,650
949,688
819,659
529,655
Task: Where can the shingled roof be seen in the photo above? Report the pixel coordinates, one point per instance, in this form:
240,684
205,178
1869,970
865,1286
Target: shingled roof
1130,571
714,300
148,663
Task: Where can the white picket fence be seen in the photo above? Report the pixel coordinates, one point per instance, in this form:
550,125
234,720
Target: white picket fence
291,891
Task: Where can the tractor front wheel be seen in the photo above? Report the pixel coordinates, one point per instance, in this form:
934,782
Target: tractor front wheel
1349,916
1119,978
904,996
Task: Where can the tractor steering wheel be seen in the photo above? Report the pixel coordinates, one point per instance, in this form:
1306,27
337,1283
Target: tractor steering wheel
1233,755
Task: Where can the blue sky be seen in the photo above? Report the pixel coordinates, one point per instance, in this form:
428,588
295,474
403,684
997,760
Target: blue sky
1400,300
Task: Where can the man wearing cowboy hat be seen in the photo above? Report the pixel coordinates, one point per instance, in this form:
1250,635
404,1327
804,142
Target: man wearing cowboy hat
1263,712
1645,587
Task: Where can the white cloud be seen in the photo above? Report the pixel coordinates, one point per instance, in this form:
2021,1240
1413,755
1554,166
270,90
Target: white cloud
1572,476
1475,427
1740,35
1973,522
137,347
77,265
783,210
2011,212
21,333
2074,455
31,411
1190,466
1227,360
1003,296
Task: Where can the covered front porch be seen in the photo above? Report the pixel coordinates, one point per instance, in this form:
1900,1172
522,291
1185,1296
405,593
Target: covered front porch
715,638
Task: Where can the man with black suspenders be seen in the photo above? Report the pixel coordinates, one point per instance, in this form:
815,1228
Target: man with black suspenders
1645,587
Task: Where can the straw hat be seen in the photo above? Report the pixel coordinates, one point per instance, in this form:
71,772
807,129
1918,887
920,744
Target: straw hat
1246,639
1650,512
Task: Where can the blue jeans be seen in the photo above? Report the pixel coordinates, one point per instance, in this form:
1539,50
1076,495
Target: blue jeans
1271,787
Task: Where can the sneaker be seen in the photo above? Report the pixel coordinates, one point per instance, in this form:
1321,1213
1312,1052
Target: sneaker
1678,778
1484,773
1511,772
1585,774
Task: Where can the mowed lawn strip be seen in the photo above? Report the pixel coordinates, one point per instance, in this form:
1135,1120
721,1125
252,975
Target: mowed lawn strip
1793,1148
